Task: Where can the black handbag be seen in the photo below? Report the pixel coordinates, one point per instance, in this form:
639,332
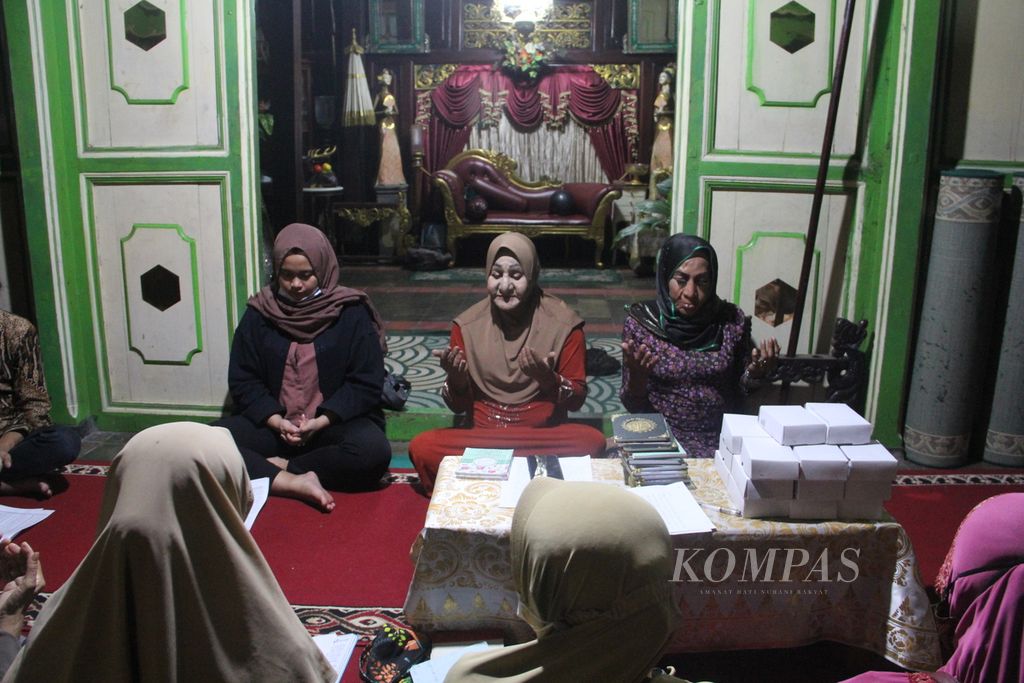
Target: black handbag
395,391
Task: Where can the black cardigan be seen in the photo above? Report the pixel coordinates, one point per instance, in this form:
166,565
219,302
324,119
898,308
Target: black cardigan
349,361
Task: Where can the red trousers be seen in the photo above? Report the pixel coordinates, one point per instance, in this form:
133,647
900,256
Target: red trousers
428,449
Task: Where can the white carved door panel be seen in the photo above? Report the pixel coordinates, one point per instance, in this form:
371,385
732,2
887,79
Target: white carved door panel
158,259
768,71
146,109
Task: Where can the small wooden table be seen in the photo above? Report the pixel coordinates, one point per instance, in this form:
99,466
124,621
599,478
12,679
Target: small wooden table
366,214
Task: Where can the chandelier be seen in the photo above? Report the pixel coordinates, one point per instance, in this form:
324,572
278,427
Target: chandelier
516,11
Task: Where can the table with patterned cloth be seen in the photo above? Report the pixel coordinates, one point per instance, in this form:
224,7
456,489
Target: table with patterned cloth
751,584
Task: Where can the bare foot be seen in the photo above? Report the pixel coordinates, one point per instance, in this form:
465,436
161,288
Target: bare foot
35,487
280,462
305,487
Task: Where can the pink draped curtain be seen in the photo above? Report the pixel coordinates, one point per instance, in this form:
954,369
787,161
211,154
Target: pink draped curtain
480,93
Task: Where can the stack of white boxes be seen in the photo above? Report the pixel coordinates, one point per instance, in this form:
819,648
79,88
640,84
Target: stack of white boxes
810,462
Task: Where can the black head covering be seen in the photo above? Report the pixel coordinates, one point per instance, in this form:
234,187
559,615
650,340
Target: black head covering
699,332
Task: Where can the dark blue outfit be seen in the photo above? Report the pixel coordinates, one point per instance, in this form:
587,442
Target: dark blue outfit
25,405
353,453
42,451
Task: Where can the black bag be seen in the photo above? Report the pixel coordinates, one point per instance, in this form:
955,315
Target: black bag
395,391
420,258
599,363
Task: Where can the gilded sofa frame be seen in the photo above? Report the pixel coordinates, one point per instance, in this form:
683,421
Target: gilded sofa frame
596,230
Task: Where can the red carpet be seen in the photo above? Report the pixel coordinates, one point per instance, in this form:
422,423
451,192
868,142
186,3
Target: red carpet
931,515
357,555
349,570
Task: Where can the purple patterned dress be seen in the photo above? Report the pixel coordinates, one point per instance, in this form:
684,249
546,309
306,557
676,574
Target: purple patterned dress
691,388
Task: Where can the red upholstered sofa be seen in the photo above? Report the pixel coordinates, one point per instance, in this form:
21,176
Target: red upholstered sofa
511,203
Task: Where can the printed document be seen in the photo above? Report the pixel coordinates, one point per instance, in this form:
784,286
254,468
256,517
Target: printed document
15,520
677,506
260,491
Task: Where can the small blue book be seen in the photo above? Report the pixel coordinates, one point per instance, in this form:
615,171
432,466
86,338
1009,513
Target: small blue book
485,463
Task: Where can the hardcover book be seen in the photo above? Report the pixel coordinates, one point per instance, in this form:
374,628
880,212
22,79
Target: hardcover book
485,463
630,428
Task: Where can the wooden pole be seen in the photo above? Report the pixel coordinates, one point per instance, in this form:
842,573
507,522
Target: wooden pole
819,185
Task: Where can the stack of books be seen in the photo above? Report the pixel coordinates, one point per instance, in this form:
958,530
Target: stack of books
650,454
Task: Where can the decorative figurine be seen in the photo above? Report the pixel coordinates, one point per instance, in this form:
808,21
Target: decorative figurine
389,173
661,150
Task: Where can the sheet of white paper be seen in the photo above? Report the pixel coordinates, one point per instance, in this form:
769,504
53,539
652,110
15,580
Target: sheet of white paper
337,648
677,506
436,668
15,520
574,468
260,491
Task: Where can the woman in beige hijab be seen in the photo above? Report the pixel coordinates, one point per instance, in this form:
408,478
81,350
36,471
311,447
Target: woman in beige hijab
174,588
593,567
516,364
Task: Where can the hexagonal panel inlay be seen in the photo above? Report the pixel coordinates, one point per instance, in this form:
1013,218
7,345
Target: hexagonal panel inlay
775,302
160,288
792,27
145,25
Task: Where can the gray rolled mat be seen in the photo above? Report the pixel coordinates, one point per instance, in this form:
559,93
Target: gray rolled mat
1004,441
952,339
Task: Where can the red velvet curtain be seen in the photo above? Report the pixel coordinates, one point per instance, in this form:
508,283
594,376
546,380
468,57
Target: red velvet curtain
479,93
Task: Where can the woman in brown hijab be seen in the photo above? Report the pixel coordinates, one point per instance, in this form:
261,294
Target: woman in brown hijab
593,567
306,371
516,364
174,588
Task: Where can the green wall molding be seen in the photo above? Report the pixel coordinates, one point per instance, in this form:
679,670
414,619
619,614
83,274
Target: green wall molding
889,170
756,237
183,44
47,81
127,152
752,42
196,305
709,80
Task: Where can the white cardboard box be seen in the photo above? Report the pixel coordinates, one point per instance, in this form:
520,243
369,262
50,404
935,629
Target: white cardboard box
736,427
734,493
814,509
868,490
820,489
781,489
766,459
792,425
750,502
845,425
819,462
860,509
722,467
727,455
764,508
871,461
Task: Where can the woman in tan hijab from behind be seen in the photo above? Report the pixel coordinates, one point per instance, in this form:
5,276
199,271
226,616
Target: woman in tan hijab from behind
174,588
593,567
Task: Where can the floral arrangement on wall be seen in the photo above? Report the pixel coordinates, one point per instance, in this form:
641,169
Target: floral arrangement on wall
525,59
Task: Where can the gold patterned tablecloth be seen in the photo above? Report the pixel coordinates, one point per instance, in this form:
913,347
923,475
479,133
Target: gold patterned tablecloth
751,584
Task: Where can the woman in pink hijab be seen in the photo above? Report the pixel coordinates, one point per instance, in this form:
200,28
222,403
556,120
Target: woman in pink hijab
981,584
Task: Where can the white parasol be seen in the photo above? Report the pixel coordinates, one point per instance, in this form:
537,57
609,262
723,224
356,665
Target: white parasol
358,103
